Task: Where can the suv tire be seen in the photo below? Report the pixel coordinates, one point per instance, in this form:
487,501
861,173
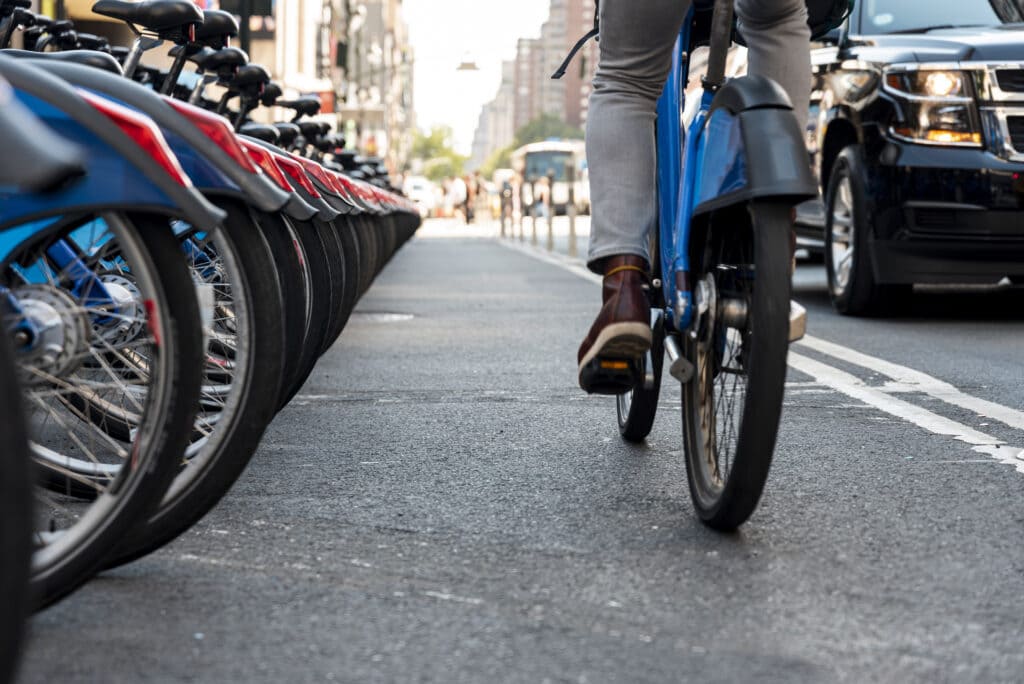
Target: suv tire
849,217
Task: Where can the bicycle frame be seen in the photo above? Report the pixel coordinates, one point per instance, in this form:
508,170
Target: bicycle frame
711,164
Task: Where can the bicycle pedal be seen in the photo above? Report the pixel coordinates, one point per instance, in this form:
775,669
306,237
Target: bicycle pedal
610,376
797,322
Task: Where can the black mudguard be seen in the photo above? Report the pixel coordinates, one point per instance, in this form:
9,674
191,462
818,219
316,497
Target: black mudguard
774,162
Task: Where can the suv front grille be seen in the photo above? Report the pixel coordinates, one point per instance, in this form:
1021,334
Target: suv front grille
1015,126
1010,80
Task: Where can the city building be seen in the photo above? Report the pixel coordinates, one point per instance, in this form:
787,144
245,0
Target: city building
529,92
354,54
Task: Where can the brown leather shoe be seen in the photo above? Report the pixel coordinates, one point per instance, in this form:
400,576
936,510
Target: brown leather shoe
610,358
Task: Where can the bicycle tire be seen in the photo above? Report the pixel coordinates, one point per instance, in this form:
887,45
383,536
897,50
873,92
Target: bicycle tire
15,517
71,557
313,249
725,495
250,403
344,233
637,408
289,270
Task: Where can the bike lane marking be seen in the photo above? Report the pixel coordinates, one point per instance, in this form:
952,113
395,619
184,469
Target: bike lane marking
910,380
854,387
906,380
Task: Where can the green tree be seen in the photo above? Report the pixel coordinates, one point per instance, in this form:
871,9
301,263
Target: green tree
546,126
499,159
435,149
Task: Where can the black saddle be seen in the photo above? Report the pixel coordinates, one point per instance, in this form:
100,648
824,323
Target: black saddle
218,26
311,130
261,132
216,60
99,60
348,160
270,94
90,41
288,132
307,105
250,77
166,18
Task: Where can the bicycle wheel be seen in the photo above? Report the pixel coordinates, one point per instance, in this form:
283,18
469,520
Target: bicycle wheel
732,406
15,516
637,408
241,376
110,382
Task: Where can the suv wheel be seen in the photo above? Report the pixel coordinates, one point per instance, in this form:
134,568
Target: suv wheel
848,219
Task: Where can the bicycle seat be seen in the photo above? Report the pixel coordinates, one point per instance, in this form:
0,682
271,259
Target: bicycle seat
270,94
188,49
310,130
288,132
52,26
347,159
251,76
158,16
218,27
260,131
8,6
90,41
215,60
99,60
307,105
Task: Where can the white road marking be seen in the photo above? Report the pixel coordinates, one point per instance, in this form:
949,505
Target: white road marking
905,380
854,387
910,380
574,266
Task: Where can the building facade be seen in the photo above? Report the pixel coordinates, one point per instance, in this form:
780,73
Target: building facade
528,92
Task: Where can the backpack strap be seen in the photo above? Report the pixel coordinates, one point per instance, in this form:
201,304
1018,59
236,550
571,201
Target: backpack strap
592,33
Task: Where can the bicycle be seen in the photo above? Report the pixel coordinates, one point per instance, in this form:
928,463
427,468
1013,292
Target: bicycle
721,284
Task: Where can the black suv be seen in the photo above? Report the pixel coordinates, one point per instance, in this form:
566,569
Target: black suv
917,134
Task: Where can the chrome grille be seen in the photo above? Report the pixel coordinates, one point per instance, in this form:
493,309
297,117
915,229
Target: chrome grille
1010,80
1015,127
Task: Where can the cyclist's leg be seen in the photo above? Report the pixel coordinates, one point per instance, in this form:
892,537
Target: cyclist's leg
635,51
778,37
636,47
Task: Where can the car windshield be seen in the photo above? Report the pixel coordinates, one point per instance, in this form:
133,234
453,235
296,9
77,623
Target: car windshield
896,16
540,164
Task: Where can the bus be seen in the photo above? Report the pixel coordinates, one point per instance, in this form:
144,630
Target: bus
554,158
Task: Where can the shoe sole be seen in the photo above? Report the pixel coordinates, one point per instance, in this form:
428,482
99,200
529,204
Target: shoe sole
613,364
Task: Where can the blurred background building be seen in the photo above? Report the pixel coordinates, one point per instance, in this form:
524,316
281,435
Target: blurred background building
527,92
354,54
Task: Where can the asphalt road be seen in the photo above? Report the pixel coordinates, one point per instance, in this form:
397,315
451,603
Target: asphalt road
441,503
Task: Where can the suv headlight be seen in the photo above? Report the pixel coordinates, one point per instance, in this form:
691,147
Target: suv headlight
937,107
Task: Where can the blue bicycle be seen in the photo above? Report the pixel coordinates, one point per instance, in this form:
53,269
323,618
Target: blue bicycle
727,184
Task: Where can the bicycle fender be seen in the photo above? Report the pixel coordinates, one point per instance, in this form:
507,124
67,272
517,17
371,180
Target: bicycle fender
752,148
104,144
209,167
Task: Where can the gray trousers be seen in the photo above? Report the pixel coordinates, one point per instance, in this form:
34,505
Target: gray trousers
636,48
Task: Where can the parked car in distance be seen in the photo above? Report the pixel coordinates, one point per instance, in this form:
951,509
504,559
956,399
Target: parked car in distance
424,193
917,137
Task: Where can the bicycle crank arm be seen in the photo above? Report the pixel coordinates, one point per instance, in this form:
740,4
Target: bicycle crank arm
679,367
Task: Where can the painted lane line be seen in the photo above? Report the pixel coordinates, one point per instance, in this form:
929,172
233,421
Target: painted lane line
574,266
854,387
910,380
880,398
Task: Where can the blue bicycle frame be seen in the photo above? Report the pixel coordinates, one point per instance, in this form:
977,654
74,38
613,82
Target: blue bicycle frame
710,164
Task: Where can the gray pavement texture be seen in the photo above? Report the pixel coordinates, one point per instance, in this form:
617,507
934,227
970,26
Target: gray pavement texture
441,503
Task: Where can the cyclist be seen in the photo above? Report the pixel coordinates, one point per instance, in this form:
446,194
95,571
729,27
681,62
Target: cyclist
635,53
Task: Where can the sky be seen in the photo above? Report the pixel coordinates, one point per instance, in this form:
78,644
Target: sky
443,33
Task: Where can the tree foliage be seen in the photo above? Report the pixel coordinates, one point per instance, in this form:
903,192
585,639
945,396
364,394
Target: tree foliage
546,126
435,149
499,159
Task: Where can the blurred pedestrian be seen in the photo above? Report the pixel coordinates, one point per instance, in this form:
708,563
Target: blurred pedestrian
457,195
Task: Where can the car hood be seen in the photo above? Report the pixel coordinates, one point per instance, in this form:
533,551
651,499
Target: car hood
996,44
